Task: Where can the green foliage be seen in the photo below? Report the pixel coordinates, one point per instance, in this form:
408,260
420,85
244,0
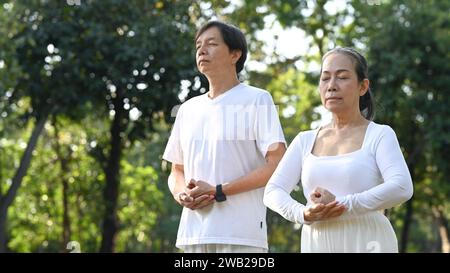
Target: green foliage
115,60
408,51
296,99
121,56
36,215
407,47
140,202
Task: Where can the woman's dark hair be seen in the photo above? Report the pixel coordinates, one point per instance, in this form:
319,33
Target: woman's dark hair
366,104
233,38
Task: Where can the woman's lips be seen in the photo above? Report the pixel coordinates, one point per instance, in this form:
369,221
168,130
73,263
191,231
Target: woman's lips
333,99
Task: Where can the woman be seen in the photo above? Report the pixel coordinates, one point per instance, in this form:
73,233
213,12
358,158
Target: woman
350,169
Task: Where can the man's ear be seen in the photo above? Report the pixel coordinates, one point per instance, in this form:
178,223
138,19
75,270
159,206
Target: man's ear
235,55
364,87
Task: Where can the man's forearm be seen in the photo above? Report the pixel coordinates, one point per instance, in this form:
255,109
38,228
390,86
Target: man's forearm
176,181
256,179
259,177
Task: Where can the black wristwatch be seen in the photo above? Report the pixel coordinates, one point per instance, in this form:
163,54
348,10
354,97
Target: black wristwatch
220,196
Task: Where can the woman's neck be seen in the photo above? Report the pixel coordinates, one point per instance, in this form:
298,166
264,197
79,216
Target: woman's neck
344,121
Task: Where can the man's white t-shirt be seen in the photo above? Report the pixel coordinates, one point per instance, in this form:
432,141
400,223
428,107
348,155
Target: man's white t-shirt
219,140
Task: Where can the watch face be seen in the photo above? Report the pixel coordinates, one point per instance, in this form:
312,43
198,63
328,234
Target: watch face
221,198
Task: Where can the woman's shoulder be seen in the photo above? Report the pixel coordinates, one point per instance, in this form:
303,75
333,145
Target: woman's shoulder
378,133
379,129
305,137
307,134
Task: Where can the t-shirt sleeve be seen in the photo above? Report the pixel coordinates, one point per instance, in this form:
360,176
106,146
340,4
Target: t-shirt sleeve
267,124
174,152
397,184
286,176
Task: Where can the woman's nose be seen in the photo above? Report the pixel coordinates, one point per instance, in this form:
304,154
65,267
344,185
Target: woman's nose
332,84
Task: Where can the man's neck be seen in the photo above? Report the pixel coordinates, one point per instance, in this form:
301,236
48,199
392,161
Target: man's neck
220,85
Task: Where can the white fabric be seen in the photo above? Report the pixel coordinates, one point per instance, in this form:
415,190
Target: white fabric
222,248
219,140
368,233
372,178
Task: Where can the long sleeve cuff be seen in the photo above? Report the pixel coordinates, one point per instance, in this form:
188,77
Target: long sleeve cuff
301,217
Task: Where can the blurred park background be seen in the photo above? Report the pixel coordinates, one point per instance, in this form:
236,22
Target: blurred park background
87,88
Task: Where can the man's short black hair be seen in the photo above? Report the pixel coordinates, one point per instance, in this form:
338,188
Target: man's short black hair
233,38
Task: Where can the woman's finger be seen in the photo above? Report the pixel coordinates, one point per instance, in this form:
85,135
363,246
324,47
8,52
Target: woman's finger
317,208
336,211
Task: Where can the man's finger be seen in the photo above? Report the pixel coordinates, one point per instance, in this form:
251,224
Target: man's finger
185,198
191,184
193,192
201,201
201,198
192,205
204,203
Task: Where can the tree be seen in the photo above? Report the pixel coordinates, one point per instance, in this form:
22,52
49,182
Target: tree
135,50
407,45
124,62
40,78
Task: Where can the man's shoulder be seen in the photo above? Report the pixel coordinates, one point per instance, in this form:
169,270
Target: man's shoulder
193,101
253,90
254,95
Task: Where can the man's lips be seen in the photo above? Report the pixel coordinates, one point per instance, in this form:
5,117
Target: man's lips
202,61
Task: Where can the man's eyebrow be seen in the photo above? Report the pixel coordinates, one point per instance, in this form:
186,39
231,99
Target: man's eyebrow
208,39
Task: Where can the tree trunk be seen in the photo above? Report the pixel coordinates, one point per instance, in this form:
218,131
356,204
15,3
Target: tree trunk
443,229
411,162
112,174
8,198
406,225
66,220
63,161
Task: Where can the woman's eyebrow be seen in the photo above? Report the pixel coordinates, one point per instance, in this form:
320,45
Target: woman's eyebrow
337,71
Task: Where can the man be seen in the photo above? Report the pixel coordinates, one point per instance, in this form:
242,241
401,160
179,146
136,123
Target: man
224,147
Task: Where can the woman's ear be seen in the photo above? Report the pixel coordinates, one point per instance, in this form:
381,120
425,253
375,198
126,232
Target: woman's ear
364,87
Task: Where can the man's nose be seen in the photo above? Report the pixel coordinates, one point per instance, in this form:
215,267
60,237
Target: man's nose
201,51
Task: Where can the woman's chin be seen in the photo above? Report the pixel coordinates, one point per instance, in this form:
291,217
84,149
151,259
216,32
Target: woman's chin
333,108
